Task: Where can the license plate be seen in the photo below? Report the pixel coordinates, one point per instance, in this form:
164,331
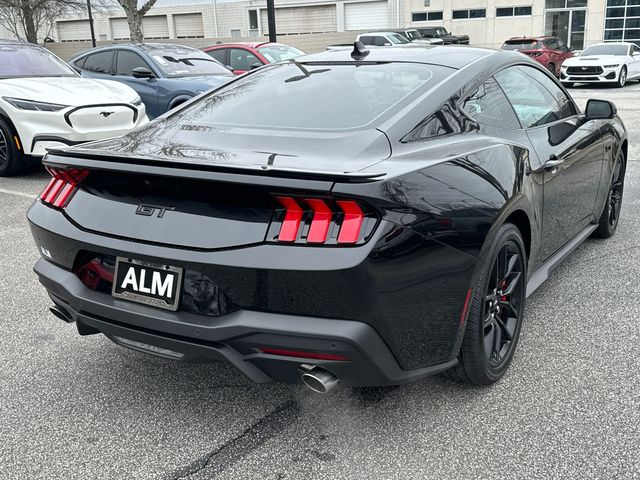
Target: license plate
148,283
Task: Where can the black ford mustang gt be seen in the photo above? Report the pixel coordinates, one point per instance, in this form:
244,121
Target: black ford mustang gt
369,217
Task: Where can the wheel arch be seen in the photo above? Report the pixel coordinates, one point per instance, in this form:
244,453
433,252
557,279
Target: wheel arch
522,222
7,118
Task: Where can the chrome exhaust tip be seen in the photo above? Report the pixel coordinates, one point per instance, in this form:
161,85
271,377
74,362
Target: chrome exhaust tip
317,379
61,313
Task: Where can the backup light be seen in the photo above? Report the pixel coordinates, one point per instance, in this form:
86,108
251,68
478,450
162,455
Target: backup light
298,354
62,186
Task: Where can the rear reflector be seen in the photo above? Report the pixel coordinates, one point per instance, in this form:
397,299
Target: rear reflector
62,186
298,354
316,221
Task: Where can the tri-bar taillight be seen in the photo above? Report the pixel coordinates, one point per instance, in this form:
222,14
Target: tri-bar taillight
62,186
321,221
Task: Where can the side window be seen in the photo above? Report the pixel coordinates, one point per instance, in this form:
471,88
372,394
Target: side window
488,105
552,43
242,59
220,55
381,41
80,62
367,40
99,62
127,61
562,45
536,98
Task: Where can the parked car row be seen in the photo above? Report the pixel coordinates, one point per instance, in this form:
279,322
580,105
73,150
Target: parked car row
611,62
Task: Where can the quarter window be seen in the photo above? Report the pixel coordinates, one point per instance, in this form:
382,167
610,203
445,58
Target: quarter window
99,62
536,99
488,105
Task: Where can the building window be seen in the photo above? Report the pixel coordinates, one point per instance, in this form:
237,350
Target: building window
253,20
513,11
551,4
622,22
426,16
473,13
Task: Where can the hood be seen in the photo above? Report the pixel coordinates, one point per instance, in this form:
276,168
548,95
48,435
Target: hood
593,60
177,141
72,91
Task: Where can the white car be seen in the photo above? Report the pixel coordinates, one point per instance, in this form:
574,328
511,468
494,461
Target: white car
603,63
45,104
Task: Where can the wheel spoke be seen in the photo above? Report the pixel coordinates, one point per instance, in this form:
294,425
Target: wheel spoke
497,342
507,305
505,330
489,338
512,283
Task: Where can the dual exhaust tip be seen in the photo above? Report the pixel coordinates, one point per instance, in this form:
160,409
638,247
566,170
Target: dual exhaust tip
317,378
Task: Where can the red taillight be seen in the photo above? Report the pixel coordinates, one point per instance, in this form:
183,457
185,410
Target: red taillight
320,221
352,222
62,186
298,354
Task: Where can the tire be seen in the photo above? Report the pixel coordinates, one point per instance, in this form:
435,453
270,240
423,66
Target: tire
496,311
608,222
10,157
622,79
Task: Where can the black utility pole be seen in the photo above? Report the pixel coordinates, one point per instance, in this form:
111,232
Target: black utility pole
271,20
93,33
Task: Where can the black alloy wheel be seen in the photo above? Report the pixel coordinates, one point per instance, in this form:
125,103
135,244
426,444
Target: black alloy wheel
503,298
496,311
9,154
552,69
608,223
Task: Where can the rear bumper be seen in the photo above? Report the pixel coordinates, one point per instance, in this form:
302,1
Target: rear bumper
235,337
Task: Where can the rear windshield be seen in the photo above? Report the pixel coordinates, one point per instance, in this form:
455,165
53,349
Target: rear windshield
521,45
30,61
314,96
605,50
186,63
277,53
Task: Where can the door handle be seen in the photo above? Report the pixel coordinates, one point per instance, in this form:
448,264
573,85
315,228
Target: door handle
553,162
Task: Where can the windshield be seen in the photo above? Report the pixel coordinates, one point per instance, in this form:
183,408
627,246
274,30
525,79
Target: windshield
313,96
277,53
520,45
186,63
612,49
397,38
413,34
31,61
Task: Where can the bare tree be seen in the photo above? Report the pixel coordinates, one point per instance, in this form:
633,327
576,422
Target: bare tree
134,16
27,18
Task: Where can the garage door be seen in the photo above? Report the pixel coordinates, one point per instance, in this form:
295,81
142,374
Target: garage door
302,19
74,31
119,29
366,16
188,25
155,27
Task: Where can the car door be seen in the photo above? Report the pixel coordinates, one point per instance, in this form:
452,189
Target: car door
569,150
634,62
147,88
97,65
554,54
241,60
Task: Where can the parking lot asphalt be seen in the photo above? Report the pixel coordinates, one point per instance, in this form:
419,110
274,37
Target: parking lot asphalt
76,407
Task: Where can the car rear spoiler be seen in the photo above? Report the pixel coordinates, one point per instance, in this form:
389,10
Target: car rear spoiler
77,158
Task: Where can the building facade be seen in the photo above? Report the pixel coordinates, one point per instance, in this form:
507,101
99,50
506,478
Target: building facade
488,22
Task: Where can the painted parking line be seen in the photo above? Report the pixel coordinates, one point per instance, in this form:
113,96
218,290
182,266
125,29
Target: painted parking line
30,196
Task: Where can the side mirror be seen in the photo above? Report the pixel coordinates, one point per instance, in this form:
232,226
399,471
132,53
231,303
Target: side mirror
600,109
142,72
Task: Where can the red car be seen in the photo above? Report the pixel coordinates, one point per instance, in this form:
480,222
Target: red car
242,57
549,51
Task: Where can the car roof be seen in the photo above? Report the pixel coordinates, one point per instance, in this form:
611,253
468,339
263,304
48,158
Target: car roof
381,32
12,42
542,37
244,44
627,44
448,56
